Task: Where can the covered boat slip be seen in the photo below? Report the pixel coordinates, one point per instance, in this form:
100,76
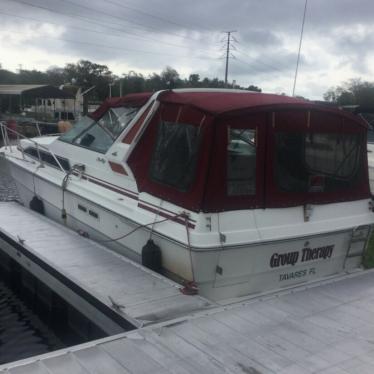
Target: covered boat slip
326,329
112,290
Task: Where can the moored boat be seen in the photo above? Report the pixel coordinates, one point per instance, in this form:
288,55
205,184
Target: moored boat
234,192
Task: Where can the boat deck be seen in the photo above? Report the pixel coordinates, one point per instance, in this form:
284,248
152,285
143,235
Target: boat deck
141,296
326,327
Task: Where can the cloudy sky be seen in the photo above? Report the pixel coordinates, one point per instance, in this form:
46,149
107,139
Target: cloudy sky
147,35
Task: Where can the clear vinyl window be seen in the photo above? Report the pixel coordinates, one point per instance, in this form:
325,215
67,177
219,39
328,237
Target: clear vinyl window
175,154
241,162
317,162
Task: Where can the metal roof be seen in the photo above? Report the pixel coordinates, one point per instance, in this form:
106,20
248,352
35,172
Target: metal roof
35,90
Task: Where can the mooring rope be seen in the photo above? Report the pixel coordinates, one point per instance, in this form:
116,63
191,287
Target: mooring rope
189,247
142,226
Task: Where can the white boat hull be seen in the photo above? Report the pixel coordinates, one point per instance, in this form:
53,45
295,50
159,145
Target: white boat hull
220,272
370,148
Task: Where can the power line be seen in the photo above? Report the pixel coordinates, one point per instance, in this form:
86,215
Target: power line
262,63
121,18
147,39
269,59
140,11
119,48
94,22
73,15
254,68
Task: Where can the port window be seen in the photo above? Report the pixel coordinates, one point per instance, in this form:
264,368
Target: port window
48,158
175,154
241,162
317,162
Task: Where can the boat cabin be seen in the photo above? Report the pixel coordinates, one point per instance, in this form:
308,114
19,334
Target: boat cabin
220,151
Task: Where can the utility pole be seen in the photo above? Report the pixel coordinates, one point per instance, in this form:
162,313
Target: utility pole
228,53
110,89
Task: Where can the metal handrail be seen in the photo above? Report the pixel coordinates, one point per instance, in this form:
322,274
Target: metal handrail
4,132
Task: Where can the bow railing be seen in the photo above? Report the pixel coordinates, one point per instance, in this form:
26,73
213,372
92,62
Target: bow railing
13,138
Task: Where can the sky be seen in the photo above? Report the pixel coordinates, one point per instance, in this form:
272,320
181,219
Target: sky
145,36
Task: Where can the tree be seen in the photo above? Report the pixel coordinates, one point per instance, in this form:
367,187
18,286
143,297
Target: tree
194,80
87,74
56,76
7,77
353,92
132,82
153,83
170,78
253,88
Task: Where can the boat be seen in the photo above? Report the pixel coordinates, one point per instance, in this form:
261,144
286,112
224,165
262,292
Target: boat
231,193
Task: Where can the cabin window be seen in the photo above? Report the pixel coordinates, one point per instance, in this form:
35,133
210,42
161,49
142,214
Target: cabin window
317,162
48,158
175,154
100,135
241,162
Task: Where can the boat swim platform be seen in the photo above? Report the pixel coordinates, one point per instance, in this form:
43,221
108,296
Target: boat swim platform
89,275
323,327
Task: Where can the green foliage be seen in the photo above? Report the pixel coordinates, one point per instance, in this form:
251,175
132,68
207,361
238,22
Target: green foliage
86,74
353,92
254,88
368,260
7,77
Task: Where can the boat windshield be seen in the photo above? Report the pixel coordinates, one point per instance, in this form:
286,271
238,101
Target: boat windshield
100,135
83,124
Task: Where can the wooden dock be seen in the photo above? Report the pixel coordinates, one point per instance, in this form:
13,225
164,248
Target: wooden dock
326,327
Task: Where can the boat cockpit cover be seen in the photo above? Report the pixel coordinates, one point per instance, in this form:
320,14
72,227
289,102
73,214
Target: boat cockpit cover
224,102
132,100
220,151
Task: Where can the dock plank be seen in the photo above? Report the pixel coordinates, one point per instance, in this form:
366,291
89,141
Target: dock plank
327,328
98,270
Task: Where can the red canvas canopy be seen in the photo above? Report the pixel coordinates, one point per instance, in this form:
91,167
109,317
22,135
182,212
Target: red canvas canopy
222,102
133,100
299,152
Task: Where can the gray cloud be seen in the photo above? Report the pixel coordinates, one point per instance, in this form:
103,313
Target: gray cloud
146,36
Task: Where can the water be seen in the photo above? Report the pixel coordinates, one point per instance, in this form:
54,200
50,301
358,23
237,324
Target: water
22,333
8,190
27,326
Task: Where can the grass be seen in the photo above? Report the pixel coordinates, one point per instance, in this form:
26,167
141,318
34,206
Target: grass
368,260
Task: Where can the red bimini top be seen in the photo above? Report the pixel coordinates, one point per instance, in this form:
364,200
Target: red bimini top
215,151
217,102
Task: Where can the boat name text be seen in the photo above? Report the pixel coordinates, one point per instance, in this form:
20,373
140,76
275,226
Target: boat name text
305,255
